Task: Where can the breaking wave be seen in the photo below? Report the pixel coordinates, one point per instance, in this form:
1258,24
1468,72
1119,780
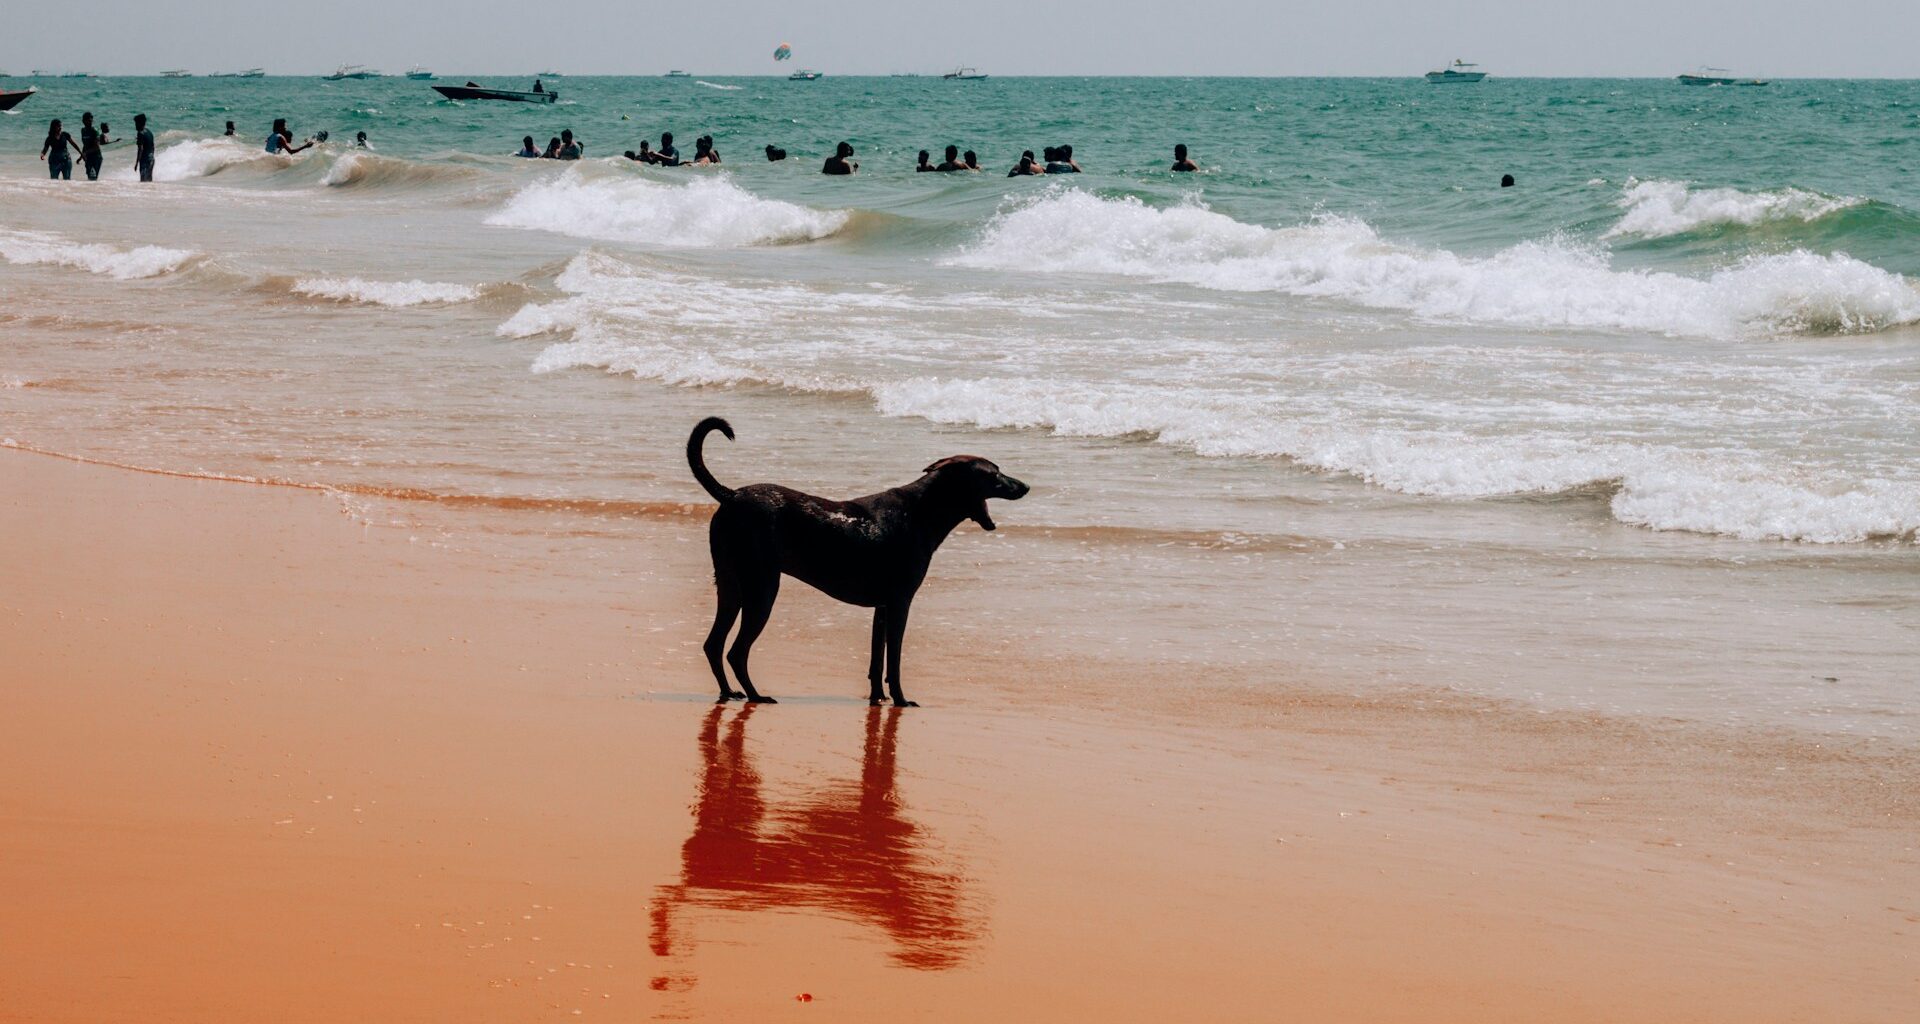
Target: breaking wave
1532,284
393,294
703,213
49,249
1661,209
200,158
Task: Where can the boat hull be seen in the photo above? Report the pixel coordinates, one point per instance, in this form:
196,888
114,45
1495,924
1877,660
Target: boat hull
10,100
1455,77
464,92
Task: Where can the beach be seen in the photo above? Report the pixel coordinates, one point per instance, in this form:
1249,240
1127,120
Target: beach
273,755
1435,601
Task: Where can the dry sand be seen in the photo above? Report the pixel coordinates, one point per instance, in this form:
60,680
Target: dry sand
266,761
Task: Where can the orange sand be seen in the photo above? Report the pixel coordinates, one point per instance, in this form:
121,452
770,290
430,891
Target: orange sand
265,762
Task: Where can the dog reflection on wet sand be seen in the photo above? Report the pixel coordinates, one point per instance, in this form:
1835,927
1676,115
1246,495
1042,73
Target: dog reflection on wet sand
848,849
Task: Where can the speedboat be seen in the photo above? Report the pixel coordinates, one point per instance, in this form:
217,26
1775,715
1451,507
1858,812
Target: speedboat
965,75
803,75
1718,76
479,92
176,73
346,71
420,74
676,74
1459,72
10,100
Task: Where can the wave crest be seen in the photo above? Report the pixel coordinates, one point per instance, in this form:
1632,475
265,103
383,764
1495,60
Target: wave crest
392,294
199,158
49,249
1662,209
1550,284
362,169
706,212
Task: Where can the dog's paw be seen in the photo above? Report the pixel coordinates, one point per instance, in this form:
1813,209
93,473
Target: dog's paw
906,703
761,698
730,695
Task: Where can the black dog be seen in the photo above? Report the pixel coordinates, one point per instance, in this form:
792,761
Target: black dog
871,551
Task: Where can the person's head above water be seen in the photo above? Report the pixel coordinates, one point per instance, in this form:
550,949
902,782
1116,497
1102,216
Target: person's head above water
361,137
953,153
86,118
925,156
666,139
526,141
970,159
279,125
566,135
1180,151
844,150
1506,181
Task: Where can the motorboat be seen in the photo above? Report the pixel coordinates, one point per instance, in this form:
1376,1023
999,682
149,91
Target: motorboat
177,73
1457,73
346,71
420,74
12,99
965,75
804,75
1717,76
471,91
248,73
676,74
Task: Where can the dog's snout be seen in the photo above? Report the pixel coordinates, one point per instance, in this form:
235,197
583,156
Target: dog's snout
1011,489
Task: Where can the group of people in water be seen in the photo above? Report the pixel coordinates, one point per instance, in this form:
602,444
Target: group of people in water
59,149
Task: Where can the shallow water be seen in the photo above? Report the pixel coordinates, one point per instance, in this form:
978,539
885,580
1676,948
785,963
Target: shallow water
1638,435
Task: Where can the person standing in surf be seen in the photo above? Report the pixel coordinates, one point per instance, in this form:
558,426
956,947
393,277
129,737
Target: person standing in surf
281,139
55,151
90,156
841,161
142,148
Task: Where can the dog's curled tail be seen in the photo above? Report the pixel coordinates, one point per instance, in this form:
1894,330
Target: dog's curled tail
699,462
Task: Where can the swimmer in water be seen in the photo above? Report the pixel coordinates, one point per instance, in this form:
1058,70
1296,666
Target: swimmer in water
645,156
142,148
55,152
925,164
667,155
281,139
1026,166
841,161
703,151
1506,181
1180,160
528,149
230,132
570,147
775,154
553,149
952,162
972,161
1060,160
90,156
360,141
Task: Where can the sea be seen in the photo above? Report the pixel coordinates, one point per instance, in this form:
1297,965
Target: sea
1638,435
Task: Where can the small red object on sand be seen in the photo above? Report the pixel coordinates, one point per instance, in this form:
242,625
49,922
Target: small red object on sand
804,997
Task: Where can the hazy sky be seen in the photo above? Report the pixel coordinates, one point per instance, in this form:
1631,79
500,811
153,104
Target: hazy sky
1782,38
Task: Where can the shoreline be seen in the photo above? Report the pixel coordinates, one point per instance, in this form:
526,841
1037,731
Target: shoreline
264,745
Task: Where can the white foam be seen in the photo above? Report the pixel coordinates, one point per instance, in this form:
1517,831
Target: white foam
1659,209
395,294
197,158
49,249
1533,284
707,212
717,85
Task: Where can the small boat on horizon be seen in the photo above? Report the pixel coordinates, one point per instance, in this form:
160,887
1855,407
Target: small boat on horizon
1717,76
419,74
346,71
10,100
676,74
1457,73
551,74
177,73
476,91
248,73
804,75
965,75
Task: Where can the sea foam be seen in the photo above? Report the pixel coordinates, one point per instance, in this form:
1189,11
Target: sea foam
1548,284
1661,209
198,158
706,212
47,248
394,294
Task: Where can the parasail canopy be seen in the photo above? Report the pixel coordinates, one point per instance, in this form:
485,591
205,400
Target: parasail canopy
782,52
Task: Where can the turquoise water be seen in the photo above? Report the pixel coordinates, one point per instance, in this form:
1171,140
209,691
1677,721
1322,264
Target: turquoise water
1415,161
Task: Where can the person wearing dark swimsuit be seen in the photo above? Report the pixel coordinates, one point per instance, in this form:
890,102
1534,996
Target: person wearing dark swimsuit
90,156
1180,160
142,148
58,152
839,163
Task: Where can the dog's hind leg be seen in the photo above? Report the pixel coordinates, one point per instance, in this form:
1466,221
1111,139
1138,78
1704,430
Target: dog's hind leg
874,665
755,608
896,632
723,616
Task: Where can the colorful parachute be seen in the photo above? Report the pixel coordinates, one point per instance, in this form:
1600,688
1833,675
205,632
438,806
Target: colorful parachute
782,52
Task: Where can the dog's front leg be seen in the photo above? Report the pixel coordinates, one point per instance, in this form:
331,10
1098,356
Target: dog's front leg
874,694
896,632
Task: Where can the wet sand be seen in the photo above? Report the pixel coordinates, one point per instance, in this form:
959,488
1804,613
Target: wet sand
274,755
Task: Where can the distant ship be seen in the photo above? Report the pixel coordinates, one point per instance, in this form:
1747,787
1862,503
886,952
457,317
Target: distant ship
420,74
346,71
676,74
1718,76
37,73
804,75
176,73
965,75
248,73
1457,73
551,74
